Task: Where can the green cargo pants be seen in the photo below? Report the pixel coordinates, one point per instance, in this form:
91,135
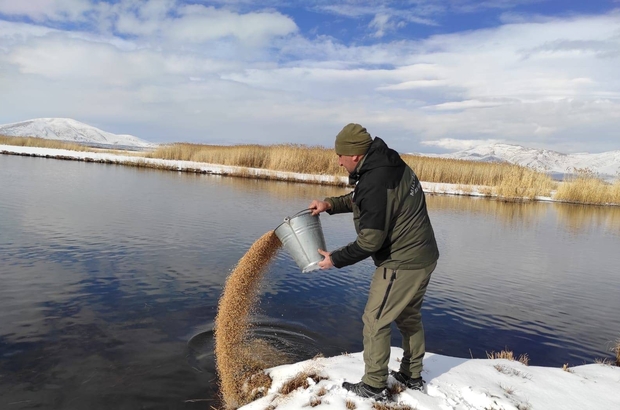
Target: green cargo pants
394,296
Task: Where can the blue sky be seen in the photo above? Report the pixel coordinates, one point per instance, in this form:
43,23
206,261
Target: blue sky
425,75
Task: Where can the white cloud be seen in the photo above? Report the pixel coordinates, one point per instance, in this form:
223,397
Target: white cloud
197,24
40,10
216,73
462,105
206,23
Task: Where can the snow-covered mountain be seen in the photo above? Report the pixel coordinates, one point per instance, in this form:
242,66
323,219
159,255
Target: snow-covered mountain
605,164
66,129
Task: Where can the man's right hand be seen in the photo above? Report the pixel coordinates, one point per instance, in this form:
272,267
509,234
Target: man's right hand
319,206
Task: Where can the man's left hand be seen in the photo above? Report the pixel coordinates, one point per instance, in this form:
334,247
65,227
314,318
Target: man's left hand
326,263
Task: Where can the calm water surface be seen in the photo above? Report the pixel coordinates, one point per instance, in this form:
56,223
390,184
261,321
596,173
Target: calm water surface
110,278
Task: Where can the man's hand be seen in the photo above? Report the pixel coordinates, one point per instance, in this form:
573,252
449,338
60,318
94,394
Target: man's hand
319,206
327,262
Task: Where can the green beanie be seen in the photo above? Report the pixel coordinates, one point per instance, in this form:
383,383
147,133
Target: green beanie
353,140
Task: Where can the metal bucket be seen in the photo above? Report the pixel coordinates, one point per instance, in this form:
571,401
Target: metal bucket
302,236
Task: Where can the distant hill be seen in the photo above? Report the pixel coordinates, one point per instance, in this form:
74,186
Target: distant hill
66,129
605,164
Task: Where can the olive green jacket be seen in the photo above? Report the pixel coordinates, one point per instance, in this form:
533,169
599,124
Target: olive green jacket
389,213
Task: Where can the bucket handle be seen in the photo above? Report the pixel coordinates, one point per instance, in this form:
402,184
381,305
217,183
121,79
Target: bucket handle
305,211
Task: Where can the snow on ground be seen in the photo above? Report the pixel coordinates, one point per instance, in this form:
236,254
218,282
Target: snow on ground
453,383
215,169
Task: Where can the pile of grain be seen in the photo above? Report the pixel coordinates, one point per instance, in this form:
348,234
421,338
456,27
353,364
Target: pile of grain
236,362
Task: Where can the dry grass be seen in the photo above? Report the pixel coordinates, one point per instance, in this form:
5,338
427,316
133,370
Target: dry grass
256,385
505,180
566,368
284,157
616,350
508,179
54,144
396,389
586,188
42,143
521,182
507,389
508,355
300,380
315,401
350,404
605,361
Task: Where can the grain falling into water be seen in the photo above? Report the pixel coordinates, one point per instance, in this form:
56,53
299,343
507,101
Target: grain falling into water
234,361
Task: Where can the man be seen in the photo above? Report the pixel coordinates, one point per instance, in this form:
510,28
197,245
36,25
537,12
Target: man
393,226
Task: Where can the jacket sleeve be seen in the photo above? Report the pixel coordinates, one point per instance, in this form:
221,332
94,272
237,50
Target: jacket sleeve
340,204
371,198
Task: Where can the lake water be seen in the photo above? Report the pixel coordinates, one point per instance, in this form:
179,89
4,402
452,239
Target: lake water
110,278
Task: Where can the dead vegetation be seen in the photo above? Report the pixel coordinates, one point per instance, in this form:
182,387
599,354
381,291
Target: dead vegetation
509,355
507,370
587,188
300,380
507,181
396,389
350,404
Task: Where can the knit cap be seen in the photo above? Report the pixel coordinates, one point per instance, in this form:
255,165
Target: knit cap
353,140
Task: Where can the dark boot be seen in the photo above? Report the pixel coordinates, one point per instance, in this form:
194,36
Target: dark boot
364,390
411,383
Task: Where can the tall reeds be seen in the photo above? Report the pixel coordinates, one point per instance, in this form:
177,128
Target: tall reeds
504,180
283,157
587,188
42,143
511,181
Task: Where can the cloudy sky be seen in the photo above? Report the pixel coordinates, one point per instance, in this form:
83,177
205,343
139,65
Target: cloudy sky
425,75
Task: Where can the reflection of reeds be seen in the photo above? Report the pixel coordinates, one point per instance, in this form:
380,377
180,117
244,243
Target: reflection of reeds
510,213
582,217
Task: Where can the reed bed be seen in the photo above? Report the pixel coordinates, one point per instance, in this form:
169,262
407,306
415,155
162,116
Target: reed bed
41,143
285,157
508,181
586,188
55,144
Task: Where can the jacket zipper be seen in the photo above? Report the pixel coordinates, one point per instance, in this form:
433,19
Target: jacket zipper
387,293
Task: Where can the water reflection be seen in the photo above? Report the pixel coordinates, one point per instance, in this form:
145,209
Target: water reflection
575,218
111,278
582,218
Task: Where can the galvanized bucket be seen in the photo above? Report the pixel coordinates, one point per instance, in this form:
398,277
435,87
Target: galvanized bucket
302,236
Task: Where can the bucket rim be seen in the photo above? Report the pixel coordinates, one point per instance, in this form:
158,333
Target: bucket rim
288,218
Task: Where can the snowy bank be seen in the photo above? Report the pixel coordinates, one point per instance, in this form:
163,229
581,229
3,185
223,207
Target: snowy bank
452,383
215,169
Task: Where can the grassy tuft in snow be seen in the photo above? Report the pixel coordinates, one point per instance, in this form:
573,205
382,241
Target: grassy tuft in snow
301,380
509,355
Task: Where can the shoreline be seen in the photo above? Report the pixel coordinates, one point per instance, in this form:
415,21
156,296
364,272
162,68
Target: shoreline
434,188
